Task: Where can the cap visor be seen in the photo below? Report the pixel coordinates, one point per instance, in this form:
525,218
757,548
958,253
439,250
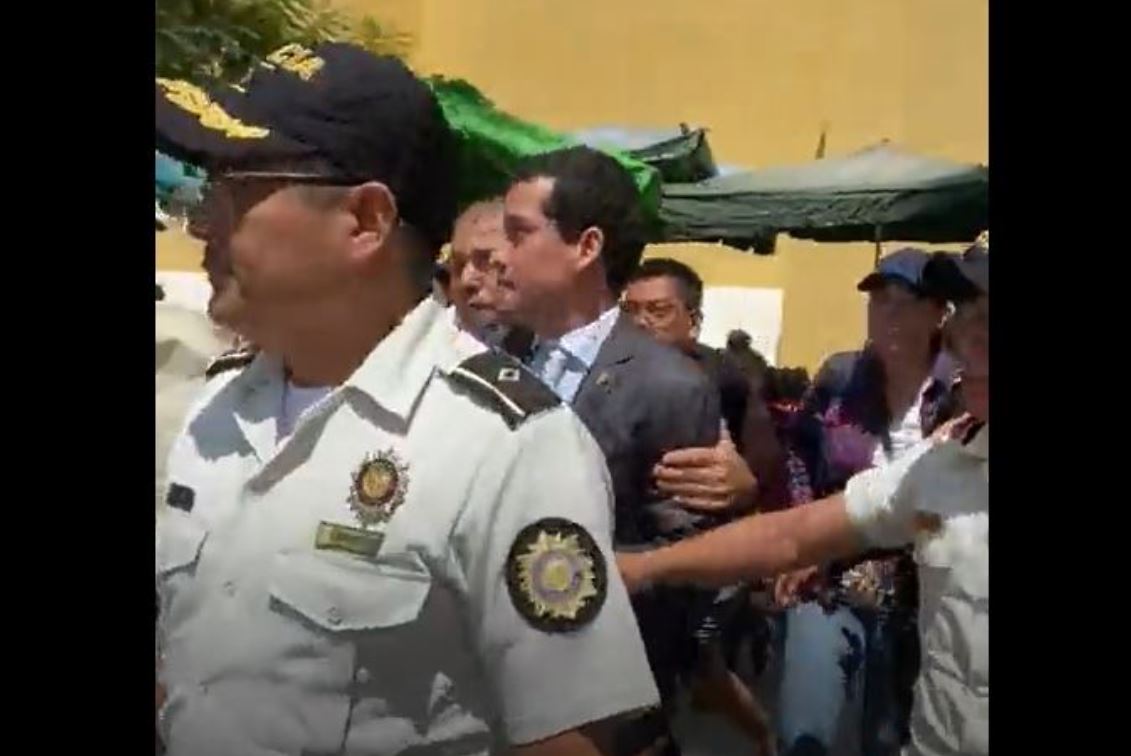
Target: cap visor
877,280
215,128
872,281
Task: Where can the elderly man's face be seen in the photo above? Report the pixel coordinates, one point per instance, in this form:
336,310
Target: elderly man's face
478,247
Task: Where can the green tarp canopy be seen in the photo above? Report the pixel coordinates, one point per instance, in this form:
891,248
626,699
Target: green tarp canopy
492,143
680,154
880,193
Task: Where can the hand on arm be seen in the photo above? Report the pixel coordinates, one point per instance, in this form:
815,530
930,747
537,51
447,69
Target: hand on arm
706,479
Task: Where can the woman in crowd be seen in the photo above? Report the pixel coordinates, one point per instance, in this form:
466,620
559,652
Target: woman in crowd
854,636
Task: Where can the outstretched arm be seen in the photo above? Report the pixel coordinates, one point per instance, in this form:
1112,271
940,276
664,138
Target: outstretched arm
876,510
753,547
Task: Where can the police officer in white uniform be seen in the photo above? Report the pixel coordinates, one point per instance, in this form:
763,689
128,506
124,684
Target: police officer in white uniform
381,538
935,498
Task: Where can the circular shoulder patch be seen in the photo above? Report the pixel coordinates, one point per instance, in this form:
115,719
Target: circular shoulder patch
556,575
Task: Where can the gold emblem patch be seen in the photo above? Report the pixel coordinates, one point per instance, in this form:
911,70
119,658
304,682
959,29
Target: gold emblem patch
378,488
556,575
193,99
297,59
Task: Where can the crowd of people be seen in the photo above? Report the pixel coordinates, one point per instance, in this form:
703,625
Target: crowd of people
509,501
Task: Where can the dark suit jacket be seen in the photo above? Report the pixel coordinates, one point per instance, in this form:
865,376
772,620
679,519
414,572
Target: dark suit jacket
640,400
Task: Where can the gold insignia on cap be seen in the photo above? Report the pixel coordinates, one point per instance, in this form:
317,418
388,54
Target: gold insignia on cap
983,240
378,487
556,575
299,60
195,100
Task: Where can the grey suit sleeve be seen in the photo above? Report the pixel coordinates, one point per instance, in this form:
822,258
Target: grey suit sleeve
687,415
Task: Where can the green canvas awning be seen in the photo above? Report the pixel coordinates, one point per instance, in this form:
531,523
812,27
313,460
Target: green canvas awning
880,191
680,154
492,143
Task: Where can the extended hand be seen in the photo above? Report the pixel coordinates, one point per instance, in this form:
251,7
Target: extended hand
795,586
706,479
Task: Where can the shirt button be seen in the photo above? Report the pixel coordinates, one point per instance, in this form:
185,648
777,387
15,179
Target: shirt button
230,588
334,615
363,675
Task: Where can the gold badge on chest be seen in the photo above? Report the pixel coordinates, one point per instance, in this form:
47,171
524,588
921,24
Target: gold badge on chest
378,487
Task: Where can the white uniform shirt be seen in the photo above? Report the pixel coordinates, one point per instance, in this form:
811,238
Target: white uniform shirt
186,341
273,645
937,497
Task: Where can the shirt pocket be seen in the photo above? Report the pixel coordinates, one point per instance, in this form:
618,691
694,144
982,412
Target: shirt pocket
338,593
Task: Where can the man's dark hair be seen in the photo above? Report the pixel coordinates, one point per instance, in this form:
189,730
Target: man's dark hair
690,284
591,189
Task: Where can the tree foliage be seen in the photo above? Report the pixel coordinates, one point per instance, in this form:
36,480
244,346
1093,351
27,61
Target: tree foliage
206,41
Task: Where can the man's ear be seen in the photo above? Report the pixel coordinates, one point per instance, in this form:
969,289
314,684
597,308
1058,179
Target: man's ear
589,246
374,209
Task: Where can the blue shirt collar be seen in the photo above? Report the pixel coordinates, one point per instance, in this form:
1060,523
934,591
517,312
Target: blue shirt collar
585,343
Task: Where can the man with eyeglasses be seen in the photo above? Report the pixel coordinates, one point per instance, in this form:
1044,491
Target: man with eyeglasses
934,498
380,538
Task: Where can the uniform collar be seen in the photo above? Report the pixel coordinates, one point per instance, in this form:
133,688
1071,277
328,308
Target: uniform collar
400,366
393,375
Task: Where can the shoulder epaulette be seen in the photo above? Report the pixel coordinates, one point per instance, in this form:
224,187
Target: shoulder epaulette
504,385
230,360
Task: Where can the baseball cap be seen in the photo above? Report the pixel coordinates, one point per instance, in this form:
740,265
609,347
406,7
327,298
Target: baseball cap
367,116
960,277
904,265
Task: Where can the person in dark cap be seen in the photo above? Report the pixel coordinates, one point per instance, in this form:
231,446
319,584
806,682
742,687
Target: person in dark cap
934,498
379,537
853,630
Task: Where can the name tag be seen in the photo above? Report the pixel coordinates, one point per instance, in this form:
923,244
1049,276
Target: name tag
334,537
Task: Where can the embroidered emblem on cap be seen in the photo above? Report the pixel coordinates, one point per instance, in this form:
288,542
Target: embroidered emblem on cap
556,575
193,99
296,59
378,487
983,240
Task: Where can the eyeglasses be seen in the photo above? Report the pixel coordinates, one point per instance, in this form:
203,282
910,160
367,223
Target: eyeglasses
226,197
291,178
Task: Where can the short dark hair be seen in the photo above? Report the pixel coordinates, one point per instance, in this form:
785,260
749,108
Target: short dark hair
690,284
591,189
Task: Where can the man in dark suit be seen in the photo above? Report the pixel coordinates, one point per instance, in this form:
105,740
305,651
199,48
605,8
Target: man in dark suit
573,222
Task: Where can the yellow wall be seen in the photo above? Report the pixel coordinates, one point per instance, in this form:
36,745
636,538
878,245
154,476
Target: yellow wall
761,75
